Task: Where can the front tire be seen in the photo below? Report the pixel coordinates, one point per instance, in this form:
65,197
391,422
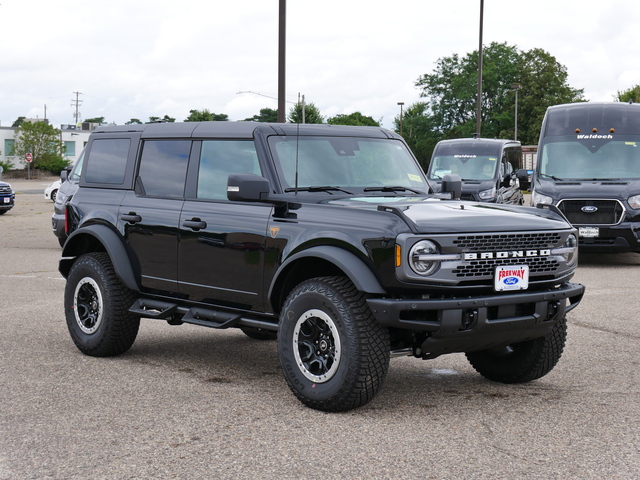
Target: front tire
522,362
97,308
333,353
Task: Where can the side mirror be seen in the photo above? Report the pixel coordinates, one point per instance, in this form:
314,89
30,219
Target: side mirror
523,178
247,187
64,174
452,184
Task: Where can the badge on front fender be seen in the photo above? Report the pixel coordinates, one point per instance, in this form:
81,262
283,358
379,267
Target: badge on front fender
511,277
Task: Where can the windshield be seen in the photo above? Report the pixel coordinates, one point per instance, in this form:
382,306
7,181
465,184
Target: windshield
74,176
470,160
346,162
572,158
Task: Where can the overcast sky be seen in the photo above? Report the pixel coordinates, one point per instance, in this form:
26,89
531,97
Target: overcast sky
142,58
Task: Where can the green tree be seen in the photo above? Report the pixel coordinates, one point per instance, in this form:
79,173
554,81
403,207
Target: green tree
266,115
98,120
206,116
134,121
43,142
419,131
630,95
452,90
18,122
311,113
355,118
544,83
166,119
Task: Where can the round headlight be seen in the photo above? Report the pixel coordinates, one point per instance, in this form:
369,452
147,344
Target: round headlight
422,258
571,256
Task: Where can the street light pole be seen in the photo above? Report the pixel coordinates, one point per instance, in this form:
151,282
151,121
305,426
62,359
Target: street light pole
479,107
401,104
516,87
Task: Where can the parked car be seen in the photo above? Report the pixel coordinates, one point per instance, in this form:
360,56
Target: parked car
51,191
69,178
7,198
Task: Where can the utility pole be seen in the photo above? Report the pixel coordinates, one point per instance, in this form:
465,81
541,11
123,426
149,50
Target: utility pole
282,35
77,102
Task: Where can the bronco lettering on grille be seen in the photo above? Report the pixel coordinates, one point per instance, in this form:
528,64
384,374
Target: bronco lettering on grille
512,254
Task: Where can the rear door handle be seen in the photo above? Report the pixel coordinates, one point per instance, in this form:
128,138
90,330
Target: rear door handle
195,224
131,217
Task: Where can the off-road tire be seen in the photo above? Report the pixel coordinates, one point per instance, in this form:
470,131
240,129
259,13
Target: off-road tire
522,362
96,305
333,353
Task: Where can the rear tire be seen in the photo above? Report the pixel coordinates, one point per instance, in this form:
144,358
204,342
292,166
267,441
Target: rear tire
333,353
97,308
522,362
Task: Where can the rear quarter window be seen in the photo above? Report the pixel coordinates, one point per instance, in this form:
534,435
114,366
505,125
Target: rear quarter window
107,161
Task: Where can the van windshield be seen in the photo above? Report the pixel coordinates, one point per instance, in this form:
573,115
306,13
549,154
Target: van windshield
472,161
590,157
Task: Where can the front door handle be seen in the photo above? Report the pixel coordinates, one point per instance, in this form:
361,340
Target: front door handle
195,224
131,217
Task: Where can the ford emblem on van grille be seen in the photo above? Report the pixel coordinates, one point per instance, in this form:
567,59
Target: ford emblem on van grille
589,209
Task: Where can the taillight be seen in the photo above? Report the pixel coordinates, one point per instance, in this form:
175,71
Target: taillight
66,220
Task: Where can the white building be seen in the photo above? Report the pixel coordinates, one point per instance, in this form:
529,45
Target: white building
74,139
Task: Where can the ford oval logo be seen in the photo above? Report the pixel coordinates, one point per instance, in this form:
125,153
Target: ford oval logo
589,209
511,280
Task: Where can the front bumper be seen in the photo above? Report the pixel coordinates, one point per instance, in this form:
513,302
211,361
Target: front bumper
467,324
621,238
7,202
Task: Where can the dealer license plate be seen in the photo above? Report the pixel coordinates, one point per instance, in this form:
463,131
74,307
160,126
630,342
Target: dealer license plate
7,199
511,277
589,232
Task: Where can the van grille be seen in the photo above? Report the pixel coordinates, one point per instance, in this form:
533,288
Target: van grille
607,212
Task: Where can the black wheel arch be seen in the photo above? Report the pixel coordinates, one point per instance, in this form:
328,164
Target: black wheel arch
320,261
100,238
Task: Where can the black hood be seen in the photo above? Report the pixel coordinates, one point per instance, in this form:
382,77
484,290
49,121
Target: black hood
433,215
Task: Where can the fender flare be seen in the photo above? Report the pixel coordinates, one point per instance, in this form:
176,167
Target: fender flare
357,271
113,245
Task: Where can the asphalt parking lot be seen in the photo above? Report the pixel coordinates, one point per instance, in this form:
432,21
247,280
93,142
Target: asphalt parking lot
189,402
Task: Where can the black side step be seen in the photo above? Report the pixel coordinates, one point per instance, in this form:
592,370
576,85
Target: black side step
153,308
211,318
161,310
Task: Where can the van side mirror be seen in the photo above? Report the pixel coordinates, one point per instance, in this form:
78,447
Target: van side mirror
247,187
523,179
452,184
64,174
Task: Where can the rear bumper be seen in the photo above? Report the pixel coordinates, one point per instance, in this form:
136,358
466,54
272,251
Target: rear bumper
477,323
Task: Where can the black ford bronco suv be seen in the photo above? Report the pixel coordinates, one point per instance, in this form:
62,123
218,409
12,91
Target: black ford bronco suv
327,238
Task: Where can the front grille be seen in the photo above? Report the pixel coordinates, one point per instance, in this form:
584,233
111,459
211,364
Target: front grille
504,243
482,268
507,241
607,212
5,189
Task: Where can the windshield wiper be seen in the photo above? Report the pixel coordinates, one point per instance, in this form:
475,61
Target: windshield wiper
392,189
324,188
597,179
551,176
